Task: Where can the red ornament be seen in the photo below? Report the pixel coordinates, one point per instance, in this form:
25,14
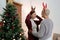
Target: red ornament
1,24
12,27
13,17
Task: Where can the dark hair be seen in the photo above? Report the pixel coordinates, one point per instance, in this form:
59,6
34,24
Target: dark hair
32,12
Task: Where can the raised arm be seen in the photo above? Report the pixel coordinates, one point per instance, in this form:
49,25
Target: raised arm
40,19
27,21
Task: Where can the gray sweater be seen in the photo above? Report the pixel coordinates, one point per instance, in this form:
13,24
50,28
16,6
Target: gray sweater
45,30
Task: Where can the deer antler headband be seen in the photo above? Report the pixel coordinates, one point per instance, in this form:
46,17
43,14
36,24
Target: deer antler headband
44,5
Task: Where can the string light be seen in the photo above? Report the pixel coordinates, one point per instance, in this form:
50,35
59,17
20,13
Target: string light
13,39
20,34
20,38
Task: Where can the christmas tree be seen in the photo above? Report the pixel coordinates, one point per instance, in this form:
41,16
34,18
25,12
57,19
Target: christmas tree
9,26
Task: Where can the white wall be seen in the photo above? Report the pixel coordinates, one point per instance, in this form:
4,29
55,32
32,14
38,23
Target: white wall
2,5
53,5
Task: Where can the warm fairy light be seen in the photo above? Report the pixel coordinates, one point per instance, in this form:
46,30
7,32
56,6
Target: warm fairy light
13,39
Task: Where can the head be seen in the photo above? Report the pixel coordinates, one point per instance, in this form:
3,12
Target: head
45,13
33,14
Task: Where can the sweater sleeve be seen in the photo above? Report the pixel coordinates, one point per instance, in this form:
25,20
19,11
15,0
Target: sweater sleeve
41,32
28,23
40,19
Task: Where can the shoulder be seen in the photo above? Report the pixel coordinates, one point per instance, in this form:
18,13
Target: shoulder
47,21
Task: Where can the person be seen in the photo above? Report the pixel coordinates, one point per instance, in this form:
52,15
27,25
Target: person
31,16
46,26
